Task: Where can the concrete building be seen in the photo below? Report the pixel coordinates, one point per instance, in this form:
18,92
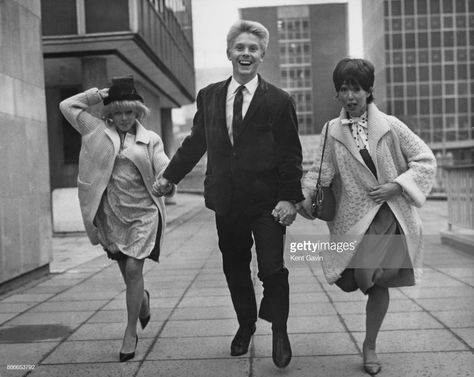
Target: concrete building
84,44
424,51
306,42
25,210
88,42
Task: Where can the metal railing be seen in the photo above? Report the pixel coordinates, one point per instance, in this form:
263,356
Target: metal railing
459,184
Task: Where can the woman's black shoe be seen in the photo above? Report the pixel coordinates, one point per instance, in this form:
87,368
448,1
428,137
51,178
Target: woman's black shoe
144,321
127,356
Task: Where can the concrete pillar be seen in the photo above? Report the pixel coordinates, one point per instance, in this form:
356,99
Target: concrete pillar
94,74
167,134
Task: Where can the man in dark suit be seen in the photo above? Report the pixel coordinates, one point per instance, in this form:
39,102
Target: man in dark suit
249,129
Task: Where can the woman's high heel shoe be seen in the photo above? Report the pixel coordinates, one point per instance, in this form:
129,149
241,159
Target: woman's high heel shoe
130,355
372,365
144,321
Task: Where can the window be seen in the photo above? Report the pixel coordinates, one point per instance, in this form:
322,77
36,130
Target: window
435,39
411,90
448,38
421,6
58,17
411,107
422,23
410,40
106,16
460,6
396,8
462,72
422,40
461,38
462,105
397,41
437,106
450,105
449,72
447,6
424,73
434,7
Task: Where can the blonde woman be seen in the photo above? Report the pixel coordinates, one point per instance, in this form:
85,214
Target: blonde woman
118,164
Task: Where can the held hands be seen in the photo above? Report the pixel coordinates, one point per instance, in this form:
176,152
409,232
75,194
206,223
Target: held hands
162,187
384,192
284,212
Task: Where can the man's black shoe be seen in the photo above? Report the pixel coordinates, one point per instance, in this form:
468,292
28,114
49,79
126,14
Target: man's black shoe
241,341
281,352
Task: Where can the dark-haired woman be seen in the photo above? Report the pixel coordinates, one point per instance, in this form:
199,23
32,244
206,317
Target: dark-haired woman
379,171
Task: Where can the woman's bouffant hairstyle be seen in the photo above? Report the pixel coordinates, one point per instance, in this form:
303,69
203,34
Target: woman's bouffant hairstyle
251,27
355,72
137,106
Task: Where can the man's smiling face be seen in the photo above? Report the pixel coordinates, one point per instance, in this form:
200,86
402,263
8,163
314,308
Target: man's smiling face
246,54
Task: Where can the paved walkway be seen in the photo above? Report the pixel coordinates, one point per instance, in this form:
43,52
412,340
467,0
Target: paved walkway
71,323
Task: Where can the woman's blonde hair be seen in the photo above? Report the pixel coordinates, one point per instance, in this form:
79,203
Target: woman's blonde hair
137,106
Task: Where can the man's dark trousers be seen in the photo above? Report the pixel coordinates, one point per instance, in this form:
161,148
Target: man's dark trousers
235,242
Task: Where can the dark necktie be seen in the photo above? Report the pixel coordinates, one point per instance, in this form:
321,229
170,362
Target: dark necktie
237,115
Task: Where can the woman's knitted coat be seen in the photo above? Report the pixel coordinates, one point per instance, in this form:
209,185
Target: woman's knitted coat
399,156
100,146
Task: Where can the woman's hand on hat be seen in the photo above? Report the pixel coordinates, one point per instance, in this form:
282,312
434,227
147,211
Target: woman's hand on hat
104,93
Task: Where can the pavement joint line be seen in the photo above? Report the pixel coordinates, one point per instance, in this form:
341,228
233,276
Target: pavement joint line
339,316
446,327
450,276
50,276
165,322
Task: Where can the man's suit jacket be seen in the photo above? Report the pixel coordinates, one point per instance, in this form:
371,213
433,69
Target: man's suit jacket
262,167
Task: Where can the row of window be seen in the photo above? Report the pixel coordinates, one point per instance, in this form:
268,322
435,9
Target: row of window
429,73
295,52
303,100
462,21
296,28
431,39
430,106
399,7
459,89
429,56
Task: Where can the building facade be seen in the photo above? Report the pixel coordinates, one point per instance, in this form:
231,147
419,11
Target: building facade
427,57
25,205
87,42
306,42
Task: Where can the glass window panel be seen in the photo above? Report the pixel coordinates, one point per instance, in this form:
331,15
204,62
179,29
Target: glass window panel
424,90
450,105
447,6
410,40
409,7
462,71
462,105
437,106
388,75
438,136
423,56
424,74
398,91
435,22
450,135
397,58
464,122
462,55
397,41
438,123
58,17
461,22
448,22
471,21
398,74
422,23
387,41
388,58
411,107
396,24
448,55
436,56
449,72
434,7
409,23
449,89
437,89
421,6
448,38
461,38
411,73
106,15
399,108
461,6
424,106
411,57
462,88
436,72
422,40
396,8
436,39
411,90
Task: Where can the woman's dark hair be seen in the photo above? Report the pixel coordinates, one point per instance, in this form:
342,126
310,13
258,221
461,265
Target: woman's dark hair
358,72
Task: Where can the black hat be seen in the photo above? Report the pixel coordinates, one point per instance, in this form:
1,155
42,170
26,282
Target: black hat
122,89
